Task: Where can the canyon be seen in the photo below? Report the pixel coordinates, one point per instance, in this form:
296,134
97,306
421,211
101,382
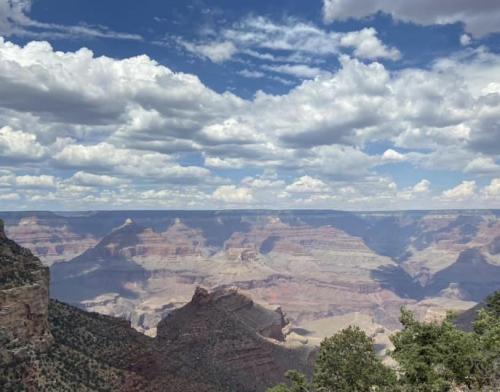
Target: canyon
218,341
324,269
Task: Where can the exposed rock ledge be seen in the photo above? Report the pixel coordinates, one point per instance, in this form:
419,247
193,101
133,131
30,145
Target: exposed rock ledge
24,298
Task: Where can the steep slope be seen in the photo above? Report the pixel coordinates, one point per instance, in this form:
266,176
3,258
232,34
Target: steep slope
104,268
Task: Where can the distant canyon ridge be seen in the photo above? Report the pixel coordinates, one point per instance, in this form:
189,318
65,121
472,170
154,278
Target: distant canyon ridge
320,270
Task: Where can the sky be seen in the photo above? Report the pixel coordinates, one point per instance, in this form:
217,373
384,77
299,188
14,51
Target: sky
335,104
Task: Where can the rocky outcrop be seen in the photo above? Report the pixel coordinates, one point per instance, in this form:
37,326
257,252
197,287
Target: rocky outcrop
24,298
227,330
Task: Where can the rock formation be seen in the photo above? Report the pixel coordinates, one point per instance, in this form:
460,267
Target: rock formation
318,265
227,330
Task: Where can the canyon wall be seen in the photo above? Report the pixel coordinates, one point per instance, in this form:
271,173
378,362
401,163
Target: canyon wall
324,267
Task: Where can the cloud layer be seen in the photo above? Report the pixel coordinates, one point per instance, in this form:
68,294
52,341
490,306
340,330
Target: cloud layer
80,131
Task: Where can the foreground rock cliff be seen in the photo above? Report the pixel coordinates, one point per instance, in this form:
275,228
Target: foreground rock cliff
220,341
24,298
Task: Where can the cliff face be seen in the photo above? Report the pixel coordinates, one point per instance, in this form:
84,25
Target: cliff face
24,297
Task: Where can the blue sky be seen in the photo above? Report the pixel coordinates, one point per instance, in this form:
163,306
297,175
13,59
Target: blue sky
220,104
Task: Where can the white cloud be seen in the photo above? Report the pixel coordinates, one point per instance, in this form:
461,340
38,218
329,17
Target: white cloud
263,183
479,17
482,165
104,156
43,181
9,196
465,39
422,186
307,184
230,131
461,192
394,156
367,45
20,145
14,20
492,191
260,33
221,163
90,179
419,190
259,37
251,74
231,194
217,52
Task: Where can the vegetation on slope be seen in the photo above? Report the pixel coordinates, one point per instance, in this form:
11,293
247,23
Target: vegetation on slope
431,357
91,352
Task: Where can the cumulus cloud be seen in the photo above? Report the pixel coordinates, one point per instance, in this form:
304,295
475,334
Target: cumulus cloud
492,191
232,194
263,182
90,179
394,156
307,184
17,144
43,181
367,45
223,163
9,196
465,39
479,17
461,192
149,124
422,186
106,157
482,165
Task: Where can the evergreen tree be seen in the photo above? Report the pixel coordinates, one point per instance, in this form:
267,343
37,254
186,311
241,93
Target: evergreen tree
435,357
487,329
346,363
